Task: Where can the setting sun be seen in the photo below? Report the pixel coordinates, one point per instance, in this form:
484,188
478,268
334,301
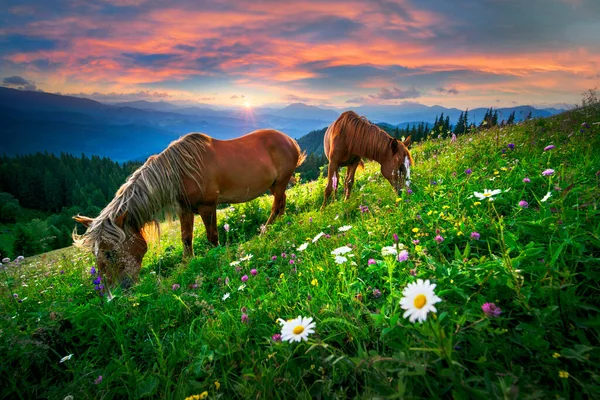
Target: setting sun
247,104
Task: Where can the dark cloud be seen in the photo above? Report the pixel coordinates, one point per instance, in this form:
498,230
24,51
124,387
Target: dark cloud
295,99
447,91
184,47
17,82
150,60
25,44
395,94
320,30
235,96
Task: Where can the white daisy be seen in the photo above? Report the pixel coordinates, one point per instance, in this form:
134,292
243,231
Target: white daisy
318,237
345,228
226,296
234,263
341,250
297,329
241,288
546,197
246,257
66,358
418,300
389,251
302,247
487,194
340,259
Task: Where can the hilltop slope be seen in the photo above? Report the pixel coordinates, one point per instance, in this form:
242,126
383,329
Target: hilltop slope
195,327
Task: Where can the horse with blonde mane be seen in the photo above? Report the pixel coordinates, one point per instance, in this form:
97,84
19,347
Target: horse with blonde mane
191,176
351,138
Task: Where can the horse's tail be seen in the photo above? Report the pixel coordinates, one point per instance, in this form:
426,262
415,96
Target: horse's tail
301,158
301,154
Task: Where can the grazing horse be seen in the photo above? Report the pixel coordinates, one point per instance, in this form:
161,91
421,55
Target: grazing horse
191,176
350,138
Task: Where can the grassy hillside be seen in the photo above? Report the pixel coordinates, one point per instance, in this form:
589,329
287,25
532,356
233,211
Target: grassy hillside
198,329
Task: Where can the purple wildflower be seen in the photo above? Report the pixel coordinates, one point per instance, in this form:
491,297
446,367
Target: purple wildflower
523,204
416,241
244,278
327,236
227,280
511,146
376,293
244,318
409,191
274,258
97,280
93,271
226,227
395,236
548,172
550,147
98,380
371,261
176,286
526,180
292,262
62,271
475,235
439,239
253,271
276,337
468,171
310,220
503,151
403,256
491,310
16,296
283,255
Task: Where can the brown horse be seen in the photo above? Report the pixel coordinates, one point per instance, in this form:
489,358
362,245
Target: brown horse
191,176
350,138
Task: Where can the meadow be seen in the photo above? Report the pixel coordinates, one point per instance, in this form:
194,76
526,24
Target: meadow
516,271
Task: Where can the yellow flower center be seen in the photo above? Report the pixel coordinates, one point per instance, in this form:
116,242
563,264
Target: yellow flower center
420,301
487,194
298,330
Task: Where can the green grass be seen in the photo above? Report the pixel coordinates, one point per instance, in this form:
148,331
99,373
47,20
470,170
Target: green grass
539,264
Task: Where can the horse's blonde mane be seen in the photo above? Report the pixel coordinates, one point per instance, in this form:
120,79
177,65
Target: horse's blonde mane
362,137
154,187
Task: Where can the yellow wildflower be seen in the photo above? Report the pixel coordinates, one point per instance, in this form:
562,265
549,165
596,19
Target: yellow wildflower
430,212
398,199
496,172
314,282
477,203
504,169
446,207
217,385
555,355
563,374
200,396
459,233
415,230
281,276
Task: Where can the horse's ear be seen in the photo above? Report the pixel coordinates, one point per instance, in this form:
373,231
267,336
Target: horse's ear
85,221
407,142
120,220
394,145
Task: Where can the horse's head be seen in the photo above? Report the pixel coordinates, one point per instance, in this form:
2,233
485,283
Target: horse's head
396,167
118,261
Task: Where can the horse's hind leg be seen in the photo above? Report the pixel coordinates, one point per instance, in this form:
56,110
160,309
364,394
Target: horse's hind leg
186,219
279,200
332,174
350,178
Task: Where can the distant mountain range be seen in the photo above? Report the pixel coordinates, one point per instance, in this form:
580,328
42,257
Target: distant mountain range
38,121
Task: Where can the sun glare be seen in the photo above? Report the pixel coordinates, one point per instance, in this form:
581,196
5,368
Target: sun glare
247,104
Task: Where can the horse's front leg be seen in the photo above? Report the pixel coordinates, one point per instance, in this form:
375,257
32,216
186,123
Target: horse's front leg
209,217
187,233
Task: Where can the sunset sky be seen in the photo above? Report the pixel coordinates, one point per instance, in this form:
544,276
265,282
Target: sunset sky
463,53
